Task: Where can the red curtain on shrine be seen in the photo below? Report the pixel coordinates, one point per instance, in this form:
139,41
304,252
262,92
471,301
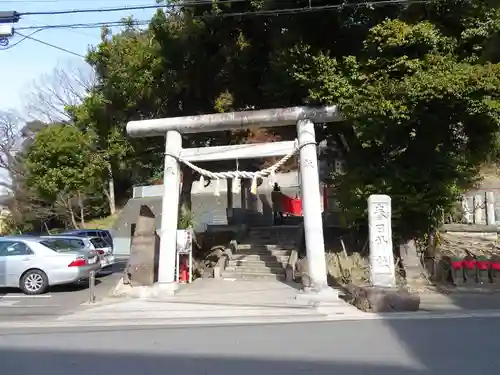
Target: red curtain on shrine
291,206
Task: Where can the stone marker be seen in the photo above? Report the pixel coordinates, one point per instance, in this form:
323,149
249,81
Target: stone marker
479,209
383,295
142,266
382,269
490,208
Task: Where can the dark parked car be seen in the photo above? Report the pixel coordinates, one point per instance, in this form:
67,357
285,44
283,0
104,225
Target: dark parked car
104,234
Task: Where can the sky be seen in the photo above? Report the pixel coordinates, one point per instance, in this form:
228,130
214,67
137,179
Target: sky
22,64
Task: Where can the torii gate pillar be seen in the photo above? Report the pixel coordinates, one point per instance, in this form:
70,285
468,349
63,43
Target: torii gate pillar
170,210
311,204
302,117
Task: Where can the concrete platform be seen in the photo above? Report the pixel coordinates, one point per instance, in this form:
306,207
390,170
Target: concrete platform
213,300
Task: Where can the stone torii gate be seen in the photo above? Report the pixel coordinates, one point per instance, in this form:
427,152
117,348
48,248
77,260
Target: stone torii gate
172,128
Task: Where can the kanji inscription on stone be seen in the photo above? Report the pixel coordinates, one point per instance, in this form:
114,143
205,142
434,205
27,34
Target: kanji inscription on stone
382,269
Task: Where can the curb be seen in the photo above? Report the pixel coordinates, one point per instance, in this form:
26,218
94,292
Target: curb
179,322
249,320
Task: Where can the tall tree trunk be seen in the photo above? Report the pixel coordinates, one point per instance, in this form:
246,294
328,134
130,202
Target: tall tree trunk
71,213
46,227
82,210
110,192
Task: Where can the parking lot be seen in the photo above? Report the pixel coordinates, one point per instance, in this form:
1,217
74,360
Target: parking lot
60,300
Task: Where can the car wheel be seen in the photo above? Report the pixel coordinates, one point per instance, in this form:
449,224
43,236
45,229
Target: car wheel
34,282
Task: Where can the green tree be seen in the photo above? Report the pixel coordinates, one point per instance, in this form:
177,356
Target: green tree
62,167
416,82
422,121
126,70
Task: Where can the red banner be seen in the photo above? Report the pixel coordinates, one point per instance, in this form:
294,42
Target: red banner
291,206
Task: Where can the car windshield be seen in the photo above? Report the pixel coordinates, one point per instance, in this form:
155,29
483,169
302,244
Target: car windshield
61,245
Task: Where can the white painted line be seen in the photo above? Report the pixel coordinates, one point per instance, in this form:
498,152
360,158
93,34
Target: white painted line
225,279
14,305
7,303
419,315
25,296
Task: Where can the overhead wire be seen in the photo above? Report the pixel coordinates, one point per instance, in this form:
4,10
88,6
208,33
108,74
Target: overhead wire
279,12
131,7
54,1
24,37
89,25
195,3
265,12
47,44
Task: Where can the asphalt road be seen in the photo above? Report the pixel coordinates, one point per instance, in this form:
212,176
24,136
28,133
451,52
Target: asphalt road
60,300
459,301
396,347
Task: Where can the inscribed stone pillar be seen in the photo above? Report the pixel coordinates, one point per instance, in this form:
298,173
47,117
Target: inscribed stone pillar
382,269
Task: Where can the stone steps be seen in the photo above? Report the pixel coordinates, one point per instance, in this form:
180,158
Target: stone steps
238,265
267,259
253,276
263,247
251,257
257,269
263,254
262,269
274,229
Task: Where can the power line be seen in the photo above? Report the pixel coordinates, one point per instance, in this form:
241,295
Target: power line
89,25
266,12
222,2
9,46
46,44
132,7
53,1
279,12
48,27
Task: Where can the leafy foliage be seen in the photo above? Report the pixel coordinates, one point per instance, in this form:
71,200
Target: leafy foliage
418,85
423,118
63,167
62,158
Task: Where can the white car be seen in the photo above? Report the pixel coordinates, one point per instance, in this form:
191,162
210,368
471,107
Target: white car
28,264
98,244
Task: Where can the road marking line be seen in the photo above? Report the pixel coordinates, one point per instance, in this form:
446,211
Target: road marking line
14,305
8,303
25,296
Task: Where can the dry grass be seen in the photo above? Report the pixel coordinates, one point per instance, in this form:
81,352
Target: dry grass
490,171
102,223
348,269
456,245
354,269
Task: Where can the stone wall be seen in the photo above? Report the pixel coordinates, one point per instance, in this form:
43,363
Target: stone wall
490,183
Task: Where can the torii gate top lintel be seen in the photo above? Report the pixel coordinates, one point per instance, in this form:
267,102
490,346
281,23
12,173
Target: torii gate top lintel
232,120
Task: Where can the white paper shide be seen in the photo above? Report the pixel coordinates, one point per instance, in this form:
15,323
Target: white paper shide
382,269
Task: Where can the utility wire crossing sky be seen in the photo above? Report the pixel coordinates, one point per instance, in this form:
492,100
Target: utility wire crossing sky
70,26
